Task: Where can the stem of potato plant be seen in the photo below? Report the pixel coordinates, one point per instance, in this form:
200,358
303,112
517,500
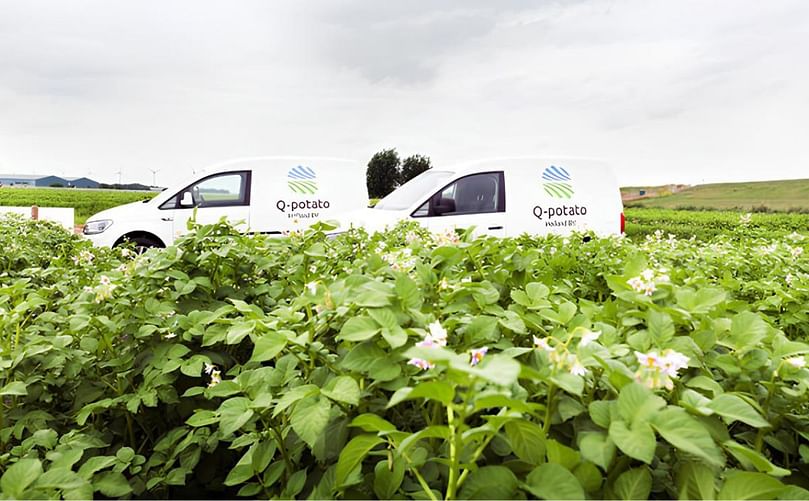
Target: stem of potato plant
214,275
479,451
425,487
282,447
19,330
131,431
546,423
453,454
128,416
456,443
311,323
307,369
759,442
149,438
326,363
476,264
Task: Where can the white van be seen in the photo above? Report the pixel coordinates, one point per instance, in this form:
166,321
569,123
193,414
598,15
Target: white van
268,195
506,197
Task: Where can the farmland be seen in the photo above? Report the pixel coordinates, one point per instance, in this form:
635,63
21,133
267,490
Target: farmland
85,202
405,365
764,196
705,225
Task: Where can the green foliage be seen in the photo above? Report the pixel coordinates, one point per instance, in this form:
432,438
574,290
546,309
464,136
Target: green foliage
382,175
401,365
85,202
706,225
412,166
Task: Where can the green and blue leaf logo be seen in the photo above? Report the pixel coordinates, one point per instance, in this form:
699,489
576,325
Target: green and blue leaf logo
557,182
302,180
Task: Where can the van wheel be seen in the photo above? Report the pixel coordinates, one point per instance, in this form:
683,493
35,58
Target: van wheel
142,243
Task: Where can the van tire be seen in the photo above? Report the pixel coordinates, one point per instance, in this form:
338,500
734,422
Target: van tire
142,241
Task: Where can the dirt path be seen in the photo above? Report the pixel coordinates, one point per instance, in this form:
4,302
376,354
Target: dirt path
668,189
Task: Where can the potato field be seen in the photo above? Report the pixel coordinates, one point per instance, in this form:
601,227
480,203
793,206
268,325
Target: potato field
407,365
85,202
705,225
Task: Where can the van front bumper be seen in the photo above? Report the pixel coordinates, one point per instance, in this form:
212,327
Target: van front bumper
103,239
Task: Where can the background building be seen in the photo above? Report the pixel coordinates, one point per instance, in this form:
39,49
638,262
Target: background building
40,181
81,182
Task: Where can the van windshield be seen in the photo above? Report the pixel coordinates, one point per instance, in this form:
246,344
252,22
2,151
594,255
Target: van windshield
414,190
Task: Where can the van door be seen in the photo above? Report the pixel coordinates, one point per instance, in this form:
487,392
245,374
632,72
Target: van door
477,200
224,194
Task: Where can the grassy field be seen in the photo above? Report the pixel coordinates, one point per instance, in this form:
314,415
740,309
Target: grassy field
86,202
782,196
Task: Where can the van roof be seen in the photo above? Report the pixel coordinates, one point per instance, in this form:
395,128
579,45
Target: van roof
519,163
302,158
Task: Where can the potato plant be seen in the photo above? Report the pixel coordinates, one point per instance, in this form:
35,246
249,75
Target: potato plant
705,225
403,365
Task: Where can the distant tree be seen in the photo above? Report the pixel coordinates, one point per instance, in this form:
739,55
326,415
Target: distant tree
56,185
412,166
382,175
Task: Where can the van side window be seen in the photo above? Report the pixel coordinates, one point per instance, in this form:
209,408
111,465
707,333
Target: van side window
171,203
474,194
220,190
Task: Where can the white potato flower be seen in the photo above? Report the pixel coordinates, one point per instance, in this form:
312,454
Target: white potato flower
588,337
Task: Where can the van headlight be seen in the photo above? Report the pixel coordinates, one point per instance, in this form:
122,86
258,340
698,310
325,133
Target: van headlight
96,227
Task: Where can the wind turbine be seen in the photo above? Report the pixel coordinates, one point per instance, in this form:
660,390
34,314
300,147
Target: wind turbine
119,176
154,176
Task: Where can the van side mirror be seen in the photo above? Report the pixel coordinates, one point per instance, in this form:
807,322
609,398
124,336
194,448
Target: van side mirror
187,200
443,206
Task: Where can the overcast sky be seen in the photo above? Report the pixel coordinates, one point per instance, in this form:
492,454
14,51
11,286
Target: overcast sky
667,91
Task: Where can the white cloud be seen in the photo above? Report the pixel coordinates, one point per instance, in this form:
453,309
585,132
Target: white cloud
667,91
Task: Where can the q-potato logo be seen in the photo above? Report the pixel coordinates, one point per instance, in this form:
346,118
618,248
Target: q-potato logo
302,180
557,182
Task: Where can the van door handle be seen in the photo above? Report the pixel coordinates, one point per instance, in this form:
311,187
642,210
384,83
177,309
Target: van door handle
167,219
495,227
